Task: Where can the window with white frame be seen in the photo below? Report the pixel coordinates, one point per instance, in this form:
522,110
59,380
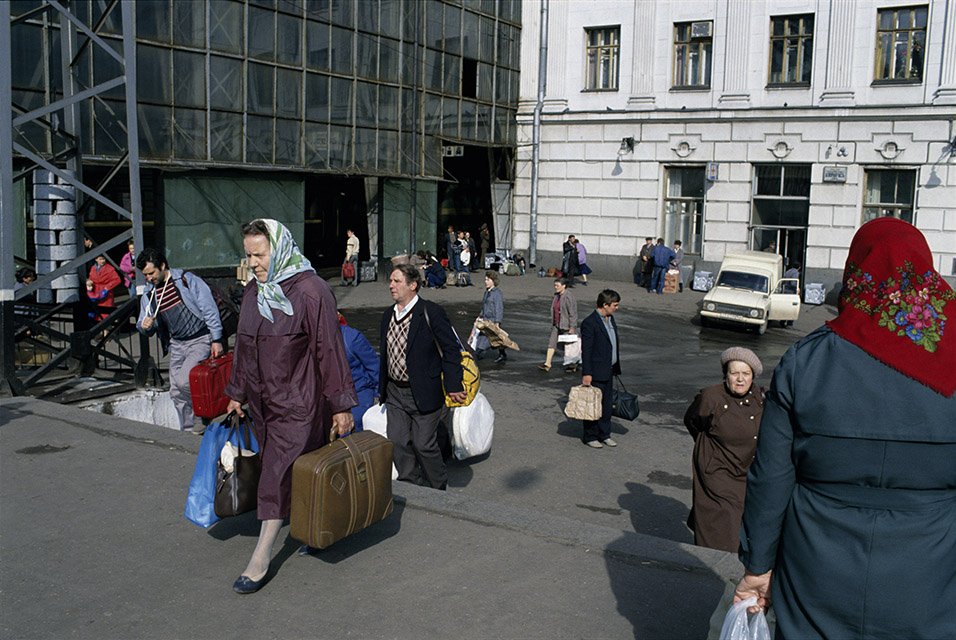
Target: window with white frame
791,49
684,207
900,44
693,44
603,58
889,193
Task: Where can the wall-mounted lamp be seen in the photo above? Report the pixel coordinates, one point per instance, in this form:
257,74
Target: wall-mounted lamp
627,145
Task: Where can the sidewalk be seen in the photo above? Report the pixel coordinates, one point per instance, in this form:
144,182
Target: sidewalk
94,545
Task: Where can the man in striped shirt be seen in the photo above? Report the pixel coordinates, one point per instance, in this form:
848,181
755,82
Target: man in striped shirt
179,306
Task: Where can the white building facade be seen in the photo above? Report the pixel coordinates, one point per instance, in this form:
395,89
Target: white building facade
737,124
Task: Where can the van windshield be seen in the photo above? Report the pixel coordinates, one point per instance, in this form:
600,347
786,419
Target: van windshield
741,280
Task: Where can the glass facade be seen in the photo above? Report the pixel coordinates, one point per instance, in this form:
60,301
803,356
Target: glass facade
369,87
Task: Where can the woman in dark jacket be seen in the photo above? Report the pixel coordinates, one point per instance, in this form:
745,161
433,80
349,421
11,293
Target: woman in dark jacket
723,420
290,368
849,526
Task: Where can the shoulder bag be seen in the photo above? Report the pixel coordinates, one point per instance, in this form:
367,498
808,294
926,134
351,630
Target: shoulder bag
471,377
624,404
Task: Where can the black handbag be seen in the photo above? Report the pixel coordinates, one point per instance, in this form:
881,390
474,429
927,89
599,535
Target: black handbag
237,490
624,404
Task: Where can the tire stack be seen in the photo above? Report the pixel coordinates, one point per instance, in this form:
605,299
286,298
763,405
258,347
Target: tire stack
54,224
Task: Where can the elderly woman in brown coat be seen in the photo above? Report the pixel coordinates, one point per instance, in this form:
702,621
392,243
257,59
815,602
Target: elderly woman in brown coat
724,419
291,370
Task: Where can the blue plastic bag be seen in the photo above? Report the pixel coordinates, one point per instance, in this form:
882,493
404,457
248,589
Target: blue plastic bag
202,488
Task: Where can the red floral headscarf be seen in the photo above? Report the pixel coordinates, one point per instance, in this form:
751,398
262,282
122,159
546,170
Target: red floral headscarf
895,305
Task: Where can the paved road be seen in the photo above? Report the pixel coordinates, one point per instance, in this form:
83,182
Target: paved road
543,538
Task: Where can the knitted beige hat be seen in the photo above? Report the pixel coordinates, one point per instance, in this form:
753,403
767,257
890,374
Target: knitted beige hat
744,355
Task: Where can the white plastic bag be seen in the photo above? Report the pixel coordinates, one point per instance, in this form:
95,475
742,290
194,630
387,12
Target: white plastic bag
227,457
375,420
472,428
737,626
473,338
572,353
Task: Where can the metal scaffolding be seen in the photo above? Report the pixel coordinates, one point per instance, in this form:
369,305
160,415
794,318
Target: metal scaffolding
59,116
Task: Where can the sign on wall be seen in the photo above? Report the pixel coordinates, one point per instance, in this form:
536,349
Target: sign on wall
834,174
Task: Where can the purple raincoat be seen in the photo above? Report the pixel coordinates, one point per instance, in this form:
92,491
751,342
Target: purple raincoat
294,375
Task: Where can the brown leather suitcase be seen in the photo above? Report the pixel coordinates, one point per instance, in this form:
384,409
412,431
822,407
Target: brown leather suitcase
341,488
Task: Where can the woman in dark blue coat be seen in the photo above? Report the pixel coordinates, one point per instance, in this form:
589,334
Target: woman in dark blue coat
849,524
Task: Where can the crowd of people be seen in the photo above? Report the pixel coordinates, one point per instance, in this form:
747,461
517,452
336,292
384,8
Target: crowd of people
842,466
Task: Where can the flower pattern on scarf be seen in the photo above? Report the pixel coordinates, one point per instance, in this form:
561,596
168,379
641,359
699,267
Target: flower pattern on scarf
910,306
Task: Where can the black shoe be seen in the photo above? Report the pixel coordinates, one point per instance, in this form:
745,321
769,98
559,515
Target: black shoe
501,358
245,584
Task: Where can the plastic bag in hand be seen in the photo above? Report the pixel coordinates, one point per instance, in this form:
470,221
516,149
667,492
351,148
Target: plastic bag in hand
738,625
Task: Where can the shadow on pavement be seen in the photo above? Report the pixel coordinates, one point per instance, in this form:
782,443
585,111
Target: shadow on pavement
669,515
573,428
656,597
348,547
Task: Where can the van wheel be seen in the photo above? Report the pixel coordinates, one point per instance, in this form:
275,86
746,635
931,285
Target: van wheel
706,322
762,328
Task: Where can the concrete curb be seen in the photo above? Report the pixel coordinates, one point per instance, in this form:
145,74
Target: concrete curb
623,545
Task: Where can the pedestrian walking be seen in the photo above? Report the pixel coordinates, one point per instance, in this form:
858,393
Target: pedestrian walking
492,310
179,306
600,362
723,420
352,246
583,267
421,362
564,320
848,526
291,369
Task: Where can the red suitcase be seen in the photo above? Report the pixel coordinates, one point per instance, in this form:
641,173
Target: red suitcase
207,386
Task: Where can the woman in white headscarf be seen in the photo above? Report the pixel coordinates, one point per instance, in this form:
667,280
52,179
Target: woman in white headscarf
290,368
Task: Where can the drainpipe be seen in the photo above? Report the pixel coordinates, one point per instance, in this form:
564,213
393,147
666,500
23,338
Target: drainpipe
536,129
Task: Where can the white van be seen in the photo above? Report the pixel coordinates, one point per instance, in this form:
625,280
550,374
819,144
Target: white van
750,289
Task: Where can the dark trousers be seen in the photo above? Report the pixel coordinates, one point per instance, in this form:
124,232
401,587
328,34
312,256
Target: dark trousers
600,429
657,282
414,434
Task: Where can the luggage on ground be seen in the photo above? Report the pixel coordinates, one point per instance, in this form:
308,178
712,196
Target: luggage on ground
207,386
341,488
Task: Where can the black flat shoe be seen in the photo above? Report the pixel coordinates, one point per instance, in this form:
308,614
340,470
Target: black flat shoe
245,584
305,550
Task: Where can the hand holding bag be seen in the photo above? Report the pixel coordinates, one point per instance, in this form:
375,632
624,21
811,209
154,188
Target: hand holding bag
237,490
584,403
738,627
470,376
623,404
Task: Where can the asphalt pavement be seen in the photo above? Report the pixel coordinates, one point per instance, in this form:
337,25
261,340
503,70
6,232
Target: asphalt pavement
541,538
